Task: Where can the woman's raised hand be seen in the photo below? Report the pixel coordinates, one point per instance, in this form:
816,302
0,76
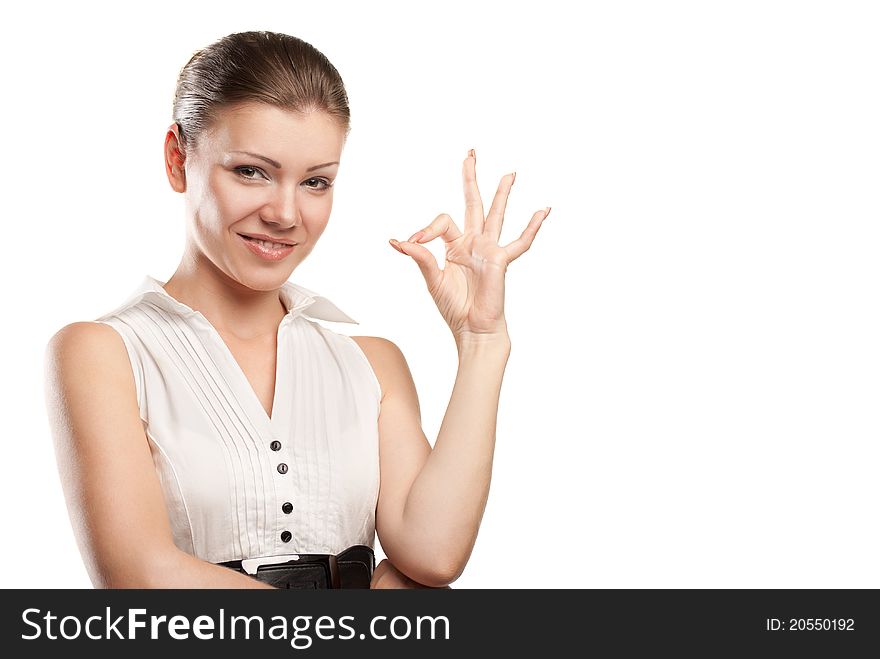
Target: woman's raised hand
469,291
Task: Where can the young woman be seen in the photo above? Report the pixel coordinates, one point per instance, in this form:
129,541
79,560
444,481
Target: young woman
211,423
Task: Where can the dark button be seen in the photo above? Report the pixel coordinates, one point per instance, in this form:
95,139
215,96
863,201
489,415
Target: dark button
275,446
282,468
287,507
285,536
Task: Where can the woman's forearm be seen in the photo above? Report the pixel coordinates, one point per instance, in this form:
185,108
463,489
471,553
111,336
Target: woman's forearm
181,570
446,502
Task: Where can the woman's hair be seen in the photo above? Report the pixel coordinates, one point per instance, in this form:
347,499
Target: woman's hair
259,66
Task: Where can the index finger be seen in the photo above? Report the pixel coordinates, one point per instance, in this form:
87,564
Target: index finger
473,203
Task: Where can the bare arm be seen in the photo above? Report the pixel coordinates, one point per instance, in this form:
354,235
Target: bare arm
112,491
434,504
431,503
447,499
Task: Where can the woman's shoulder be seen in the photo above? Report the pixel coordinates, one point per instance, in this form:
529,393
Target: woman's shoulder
89,336
377,347
87,343
373,342
86,362
385,357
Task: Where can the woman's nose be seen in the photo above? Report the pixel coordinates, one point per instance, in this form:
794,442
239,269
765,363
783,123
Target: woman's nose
282,208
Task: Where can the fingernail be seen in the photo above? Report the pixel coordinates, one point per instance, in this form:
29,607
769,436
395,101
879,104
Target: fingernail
396,245
513,174
416,237
547,212
472,153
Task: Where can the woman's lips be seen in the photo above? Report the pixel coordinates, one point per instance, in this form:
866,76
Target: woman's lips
263,251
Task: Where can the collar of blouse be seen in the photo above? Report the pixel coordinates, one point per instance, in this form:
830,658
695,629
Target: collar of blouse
297,299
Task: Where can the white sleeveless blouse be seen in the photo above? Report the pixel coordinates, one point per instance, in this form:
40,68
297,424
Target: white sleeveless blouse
237,483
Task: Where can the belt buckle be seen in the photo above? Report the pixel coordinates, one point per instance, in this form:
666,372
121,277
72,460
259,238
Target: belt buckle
251,565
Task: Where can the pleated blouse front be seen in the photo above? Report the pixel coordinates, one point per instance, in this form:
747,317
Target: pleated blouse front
238,483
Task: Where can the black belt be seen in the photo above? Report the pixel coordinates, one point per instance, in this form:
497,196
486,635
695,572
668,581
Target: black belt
352,568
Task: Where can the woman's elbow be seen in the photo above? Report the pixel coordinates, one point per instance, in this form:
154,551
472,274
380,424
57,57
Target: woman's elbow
440,573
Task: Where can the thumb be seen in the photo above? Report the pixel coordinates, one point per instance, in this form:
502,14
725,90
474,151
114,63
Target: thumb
423,258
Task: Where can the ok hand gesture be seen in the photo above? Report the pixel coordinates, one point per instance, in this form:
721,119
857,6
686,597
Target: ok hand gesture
469,291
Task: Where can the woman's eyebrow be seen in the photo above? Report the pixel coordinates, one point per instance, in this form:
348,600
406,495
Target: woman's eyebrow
277,165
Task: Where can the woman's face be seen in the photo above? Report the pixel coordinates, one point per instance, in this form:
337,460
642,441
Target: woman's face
229,193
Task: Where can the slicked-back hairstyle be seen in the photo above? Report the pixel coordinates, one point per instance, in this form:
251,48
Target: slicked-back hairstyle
259,66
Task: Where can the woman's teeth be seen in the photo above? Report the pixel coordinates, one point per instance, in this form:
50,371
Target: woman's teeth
267,244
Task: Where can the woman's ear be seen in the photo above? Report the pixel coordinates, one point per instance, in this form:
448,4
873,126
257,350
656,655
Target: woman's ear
174,159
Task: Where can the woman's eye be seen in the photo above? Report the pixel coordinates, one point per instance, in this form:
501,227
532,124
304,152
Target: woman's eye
245,172
318,183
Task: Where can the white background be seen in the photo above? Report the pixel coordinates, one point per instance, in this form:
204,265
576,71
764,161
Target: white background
691,399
